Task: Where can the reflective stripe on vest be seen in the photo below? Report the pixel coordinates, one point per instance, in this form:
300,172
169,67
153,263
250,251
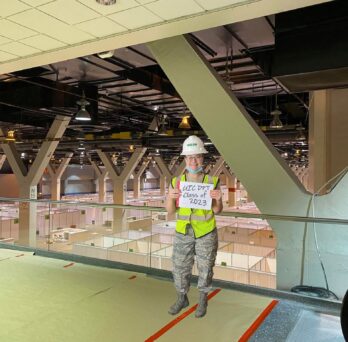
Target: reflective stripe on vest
194,217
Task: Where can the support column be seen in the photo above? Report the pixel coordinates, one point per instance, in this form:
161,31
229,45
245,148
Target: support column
180,169
231,184
172,163
216,170
56,175
162,180
230,180
28,179
167,172
208,168
164,170
120,184
2,160
137,177
65,185
162,185
27,215
328,138
119,197
101,177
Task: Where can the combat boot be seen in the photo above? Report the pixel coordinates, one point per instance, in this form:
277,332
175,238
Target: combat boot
202,305
181,302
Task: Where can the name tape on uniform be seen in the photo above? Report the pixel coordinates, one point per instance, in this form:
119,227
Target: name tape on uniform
195,195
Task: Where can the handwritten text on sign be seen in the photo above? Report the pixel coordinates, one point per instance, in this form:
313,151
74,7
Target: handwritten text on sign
195,195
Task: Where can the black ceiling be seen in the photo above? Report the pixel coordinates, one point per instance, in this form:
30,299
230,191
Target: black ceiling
259,60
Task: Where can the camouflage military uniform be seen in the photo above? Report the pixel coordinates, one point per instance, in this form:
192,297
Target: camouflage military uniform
185,247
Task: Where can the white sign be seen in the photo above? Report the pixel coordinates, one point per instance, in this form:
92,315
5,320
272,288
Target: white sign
33,192
195,195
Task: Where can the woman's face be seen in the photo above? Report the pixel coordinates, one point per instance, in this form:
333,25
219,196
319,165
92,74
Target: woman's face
194,161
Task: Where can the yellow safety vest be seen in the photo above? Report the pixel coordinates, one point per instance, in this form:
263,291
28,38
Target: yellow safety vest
202,221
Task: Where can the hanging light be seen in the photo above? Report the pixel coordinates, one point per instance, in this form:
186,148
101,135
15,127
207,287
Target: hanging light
163,126
10,135
82,114
81,147
163,130
114,158
184,124
301,136
106,54
276,122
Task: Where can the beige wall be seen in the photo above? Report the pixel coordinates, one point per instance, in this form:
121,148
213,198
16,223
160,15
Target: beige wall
8,186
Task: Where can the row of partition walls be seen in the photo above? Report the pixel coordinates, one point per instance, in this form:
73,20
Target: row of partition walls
246,252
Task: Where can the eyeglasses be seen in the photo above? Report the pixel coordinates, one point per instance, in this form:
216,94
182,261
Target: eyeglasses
195,156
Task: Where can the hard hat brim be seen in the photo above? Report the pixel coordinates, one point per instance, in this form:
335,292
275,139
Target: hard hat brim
193,152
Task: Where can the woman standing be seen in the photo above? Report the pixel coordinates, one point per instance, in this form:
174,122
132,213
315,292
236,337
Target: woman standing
196,232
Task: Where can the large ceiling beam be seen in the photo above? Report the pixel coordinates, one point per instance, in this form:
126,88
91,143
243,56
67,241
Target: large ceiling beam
220,113
245,10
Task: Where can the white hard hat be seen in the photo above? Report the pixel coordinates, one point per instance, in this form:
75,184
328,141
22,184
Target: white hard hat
193,145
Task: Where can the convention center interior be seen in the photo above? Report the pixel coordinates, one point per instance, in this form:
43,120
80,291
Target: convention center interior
98,101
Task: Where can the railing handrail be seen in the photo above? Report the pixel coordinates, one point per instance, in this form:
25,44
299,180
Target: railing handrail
304,219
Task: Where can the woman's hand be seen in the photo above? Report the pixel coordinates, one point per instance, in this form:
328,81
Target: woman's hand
174,193
215,194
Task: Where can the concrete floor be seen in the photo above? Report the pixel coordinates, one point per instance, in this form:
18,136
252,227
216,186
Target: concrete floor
44,299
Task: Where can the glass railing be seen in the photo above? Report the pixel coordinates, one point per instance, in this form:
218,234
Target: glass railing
143,235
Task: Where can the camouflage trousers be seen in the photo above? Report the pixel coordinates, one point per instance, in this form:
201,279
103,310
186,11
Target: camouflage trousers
185,248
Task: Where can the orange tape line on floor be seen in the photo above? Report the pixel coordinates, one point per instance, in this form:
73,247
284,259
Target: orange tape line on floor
68,265
175,321
245,337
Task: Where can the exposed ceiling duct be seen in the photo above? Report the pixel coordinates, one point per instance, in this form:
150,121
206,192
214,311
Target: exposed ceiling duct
311,47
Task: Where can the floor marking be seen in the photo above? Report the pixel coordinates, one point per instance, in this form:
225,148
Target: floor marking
6,259
68,265
245,337
132,277
11,257
175,321
101,291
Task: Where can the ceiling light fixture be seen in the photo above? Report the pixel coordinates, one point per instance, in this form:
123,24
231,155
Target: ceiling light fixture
10,135
301,136
106,2
82,114
81,147
162,130
106,54
276,122
184,124
162,125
